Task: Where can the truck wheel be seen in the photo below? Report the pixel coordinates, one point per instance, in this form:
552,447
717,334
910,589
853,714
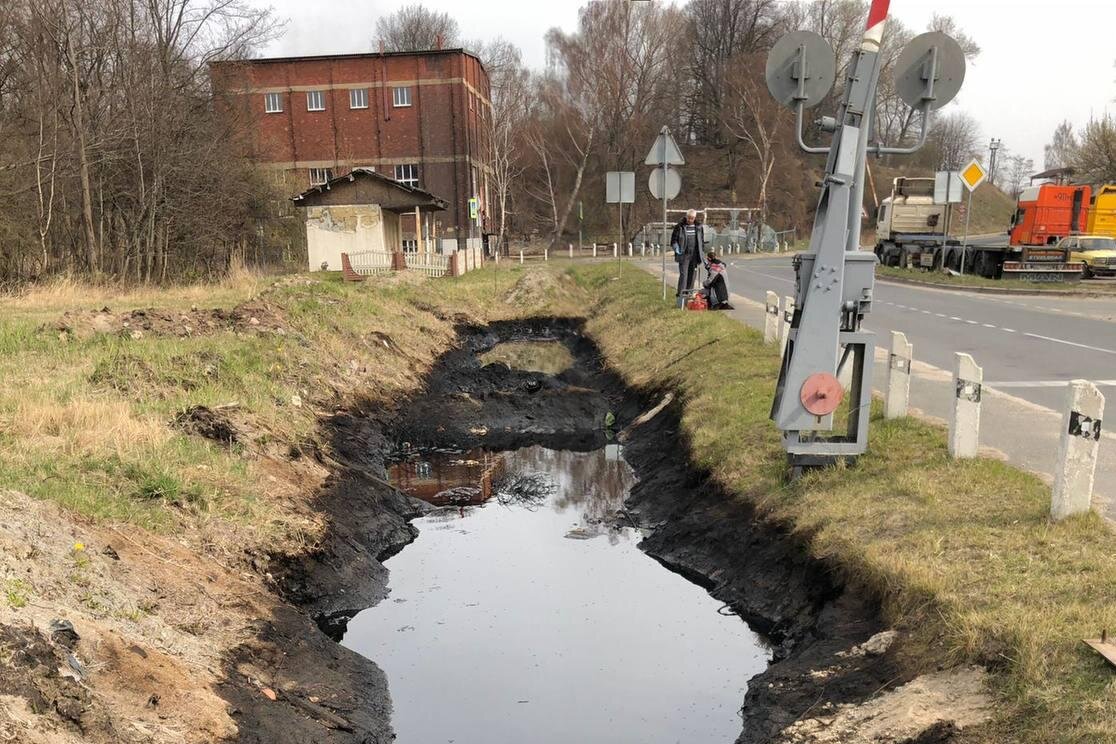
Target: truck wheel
936,265
953,260
904,258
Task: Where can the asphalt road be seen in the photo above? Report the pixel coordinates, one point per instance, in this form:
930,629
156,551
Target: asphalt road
1030,348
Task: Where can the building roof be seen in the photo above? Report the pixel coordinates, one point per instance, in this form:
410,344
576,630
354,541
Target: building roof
387,192
352,55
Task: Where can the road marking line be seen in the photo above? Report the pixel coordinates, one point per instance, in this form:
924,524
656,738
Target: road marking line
1008,330
1071,343
941,315
988,325
972,322
954,317
1044,383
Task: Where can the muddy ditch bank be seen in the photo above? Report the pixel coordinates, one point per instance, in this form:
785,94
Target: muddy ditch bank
817,626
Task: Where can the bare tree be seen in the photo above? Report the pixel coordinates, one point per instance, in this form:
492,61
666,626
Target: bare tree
954,140
753,117
415,27
1063,148
1018,173
1096,156
505,119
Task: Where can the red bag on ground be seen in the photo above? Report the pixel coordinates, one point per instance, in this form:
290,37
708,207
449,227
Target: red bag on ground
697,302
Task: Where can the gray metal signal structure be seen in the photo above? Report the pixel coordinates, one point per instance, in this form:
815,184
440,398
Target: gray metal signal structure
835,279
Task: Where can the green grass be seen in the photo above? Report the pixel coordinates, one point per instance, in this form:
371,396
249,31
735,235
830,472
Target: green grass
961,553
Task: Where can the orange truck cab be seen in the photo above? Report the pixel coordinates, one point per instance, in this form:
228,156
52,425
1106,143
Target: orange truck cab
1045,214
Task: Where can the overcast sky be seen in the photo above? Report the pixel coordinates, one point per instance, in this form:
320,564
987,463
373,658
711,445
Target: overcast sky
1041,62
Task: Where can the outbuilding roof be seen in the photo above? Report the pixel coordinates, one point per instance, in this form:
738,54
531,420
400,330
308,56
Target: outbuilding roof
366,186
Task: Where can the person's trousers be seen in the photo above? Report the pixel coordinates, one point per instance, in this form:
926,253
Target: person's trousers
687,267
718,291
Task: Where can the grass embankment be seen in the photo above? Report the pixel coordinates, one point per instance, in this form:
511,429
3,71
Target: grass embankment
1100,286
88,408
962,553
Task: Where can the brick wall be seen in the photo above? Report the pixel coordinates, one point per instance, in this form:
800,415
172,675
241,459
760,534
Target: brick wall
442,131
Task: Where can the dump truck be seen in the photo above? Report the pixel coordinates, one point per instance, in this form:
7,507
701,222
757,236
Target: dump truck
1102,212
911,230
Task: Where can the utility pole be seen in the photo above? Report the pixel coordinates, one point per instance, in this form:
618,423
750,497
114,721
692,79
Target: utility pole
993,149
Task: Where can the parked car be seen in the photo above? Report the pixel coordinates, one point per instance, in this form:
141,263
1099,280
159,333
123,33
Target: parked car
1096,252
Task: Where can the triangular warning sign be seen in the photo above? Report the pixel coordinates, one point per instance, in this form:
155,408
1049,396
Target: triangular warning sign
666,150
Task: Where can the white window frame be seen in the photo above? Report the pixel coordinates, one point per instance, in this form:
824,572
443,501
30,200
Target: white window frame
321,173
407,173
358,98
315,95
273,103
401,96
410,245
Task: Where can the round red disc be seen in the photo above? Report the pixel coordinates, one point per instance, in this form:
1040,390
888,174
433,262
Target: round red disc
821,394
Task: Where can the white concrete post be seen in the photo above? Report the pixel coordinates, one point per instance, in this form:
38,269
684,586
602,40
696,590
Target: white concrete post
546,254
594,250
898,388
1077,455
785,325
629,250
614,251
771,319
520,255
571,249
643,250
964,424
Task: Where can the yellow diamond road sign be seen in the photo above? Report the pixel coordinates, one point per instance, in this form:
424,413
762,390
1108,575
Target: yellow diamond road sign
973,175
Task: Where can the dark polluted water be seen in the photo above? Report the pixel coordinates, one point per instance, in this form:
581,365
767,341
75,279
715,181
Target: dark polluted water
520,615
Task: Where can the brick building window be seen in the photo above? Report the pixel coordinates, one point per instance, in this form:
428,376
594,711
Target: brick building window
400,97
273,103
315,100
407,174
319,176
358,98
410,246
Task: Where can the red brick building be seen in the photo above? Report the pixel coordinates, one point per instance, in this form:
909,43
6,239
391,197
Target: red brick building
417,117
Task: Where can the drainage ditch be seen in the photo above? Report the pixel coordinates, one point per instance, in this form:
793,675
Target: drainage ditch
528,608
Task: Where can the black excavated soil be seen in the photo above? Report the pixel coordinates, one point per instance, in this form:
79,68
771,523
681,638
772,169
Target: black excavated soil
759,570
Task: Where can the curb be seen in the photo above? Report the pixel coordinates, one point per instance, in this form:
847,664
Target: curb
996,290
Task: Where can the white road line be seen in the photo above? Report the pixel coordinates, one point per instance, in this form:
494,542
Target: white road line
972,322
1044,383
1071,343
941,315
954,317
770,276
988,325
1008,330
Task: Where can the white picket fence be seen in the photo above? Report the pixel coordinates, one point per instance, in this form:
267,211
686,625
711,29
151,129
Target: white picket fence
428,264
371,263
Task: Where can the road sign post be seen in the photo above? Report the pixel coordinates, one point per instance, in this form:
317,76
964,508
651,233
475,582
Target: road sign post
665,153
972,176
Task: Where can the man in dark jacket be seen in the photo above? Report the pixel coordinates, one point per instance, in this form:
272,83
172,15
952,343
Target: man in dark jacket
688,241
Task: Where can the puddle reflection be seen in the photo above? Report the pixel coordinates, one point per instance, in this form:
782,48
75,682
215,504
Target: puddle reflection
526,615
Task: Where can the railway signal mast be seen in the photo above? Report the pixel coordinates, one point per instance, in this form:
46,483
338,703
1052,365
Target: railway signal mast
835,279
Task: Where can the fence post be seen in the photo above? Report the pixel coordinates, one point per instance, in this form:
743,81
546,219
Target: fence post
771,319
594,250
614,251
785,325
1077,454
964,424
571,250
898,376
629,250
521,256
546,254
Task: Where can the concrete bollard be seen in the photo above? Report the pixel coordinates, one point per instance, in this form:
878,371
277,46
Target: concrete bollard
785,325
771,319
594,250
520,256
570,246
1077,454
546,254
964,424
898,388
615,253
630,250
